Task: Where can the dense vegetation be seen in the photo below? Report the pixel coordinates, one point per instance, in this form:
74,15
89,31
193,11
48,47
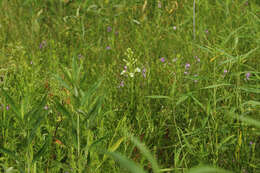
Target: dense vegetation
129,86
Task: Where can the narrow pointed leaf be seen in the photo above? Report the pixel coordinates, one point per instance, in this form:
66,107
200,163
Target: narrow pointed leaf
126,163
144,150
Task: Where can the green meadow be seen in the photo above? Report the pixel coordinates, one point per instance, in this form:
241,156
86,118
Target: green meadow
139,86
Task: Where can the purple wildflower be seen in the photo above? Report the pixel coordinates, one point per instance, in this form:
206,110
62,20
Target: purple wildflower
31,62
225,71
251,143
80,56
187,66
248,75
162,59
7,107
122,84
206,31
144,72
197,58
109,29
42,45
185,72
174,27
108,48
125,67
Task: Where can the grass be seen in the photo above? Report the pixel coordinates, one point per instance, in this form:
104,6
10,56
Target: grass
79,79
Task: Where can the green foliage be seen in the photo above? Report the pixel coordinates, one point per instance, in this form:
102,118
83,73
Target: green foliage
77,77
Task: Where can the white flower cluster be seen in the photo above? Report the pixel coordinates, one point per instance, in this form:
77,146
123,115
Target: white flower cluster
130,68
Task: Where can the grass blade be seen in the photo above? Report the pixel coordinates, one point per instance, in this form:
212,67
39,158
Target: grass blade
159,97
208,169
147,154
126,163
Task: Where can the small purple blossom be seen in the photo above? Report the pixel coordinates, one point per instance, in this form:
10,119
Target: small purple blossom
206,31
251,143
80,56
125,67
116,33
248,75
122,84
42,44
108,48
46,107
109,29
7,107
185,72
225,71
196,57
144,72
187,66
162,59
174,27
31,62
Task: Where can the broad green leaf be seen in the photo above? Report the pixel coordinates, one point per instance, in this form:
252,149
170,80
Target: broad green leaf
90,91
126,163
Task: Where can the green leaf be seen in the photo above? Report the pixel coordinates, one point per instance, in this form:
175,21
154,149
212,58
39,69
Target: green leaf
198,102
36,125
159,97
247,120
12,104
74,69
207,169
252,103
250,90
147,154
126,163
224,141
43,149
62,82
62,109
182,99
116,145
8,152
36,110
215,86
90,91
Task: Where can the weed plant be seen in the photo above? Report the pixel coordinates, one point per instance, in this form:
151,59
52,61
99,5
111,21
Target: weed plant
80,79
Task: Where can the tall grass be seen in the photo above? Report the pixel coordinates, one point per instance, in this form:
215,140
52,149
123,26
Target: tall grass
79,79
